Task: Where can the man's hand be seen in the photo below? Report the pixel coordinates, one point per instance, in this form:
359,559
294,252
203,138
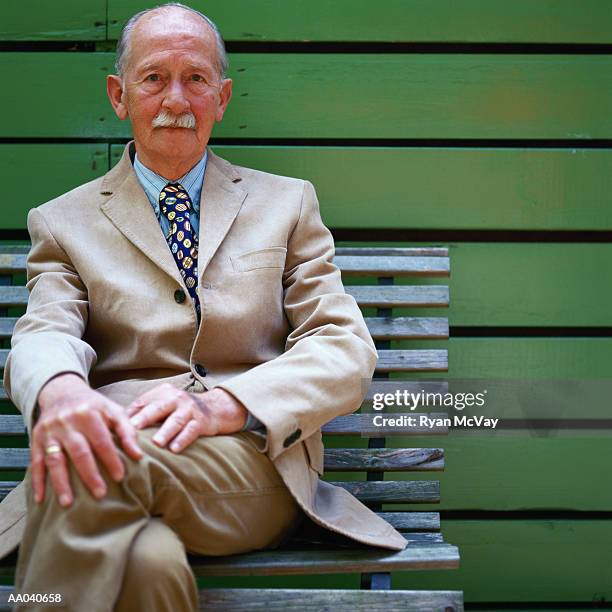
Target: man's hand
189,415
78,419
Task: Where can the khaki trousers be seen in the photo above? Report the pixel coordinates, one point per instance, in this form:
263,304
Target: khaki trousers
127,551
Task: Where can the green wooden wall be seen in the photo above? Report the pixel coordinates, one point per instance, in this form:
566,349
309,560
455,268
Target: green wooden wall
481,124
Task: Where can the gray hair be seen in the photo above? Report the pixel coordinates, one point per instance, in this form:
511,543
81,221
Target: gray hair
124,38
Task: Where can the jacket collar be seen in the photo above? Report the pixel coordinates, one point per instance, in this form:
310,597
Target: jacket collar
129,210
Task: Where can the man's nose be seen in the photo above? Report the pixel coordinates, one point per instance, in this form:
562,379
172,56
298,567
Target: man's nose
175,100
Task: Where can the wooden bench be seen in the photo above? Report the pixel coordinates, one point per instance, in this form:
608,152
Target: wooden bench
314,550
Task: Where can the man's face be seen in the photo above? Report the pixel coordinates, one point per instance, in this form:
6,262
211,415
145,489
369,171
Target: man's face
171,72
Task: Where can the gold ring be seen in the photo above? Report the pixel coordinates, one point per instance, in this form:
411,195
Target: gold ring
53,448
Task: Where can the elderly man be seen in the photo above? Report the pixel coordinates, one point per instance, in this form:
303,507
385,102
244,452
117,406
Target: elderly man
186,338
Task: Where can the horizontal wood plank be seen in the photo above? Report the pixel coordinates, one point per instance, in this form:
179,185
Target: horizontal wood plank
372,460
424,96
57,20
365,187
356,265
344,460
363,424
420,492
281,562
564,21
428,360
316,600
395,328
399,296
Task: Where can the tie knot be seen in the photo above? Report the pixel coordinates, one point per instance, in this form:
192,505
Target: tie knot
174,198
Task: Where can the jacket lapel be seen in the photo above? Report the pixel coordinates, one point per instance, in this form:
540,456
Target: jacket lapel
130,211
221,200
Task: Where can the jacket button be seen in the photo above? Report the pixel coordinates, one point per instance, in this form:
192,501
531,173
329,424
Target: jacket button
200,369
289,440
179,296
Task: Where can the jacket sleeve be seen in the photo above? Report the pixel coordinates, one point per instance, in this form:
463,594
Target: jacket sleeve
329,356
47,340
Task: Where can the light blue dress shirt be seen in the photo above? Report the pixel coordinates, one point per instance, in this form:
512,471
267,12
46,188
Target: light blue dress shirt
193,182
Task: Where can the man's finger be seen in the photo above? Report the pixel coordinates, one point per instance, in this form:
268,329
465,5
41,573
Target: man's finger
58,471
128,435
152,413
172,426
79,451
101,440
189,434
37,472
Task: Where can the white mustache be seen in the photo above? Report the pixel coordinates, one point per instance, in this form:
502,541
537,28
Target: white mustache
165,119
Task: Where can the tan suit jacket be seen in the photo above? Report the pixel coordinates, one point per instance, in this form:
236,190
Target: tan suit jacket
278,330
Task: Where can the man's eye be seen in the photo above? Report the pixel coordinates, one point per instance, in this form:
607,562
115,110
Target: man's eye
198,78
152,77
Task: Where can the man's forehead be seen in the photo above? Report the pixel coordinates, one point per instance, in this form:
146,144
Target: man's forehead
160,32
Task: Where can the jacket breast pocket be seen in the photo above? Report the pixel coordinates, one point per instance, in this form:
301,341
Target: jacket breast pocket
271,257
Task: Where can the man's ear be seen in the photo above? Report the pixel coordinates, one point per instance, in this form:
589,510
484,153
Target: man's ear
225,95
114,89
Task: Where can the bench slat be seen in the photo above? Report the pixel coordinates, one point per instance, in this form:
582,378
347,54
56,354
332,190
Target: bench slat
387,459
13,296
348,425
381,265
311,600
430,360
394,491
361,424
387,328
396,251
378,262
425,360
7,325
338,459
403,491
332,561
339,600
399,296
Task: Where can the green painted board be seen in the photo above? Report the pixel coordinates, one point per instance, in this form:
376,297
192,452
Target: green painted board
398,20
535,469
56,168
58,20
431,188
530,284
341,96
530,358
524,561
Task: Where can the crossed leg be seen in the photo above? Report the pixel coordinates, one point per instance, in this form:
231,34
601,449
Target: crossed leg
127,551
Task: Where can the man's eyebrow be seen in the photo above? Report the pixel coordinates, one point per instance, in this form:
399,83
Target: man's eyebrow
148,66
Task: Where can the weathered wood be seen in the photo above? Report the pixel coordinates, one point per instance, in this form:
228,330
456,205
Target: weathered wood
11,425
412,521
322,600
13,296
11,263
390,460
397,328
394,491
312,600
405,491
14,458
426,360
434,296
7,325
396,251
362,424
338,459
358,559
381,265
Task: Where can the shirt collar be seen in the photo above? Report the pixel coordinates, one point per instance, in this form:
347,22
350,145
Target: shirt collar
153,183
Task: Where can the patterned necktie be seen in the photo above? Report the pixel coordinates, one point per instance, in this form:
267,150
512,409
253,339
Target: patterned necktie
175,205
